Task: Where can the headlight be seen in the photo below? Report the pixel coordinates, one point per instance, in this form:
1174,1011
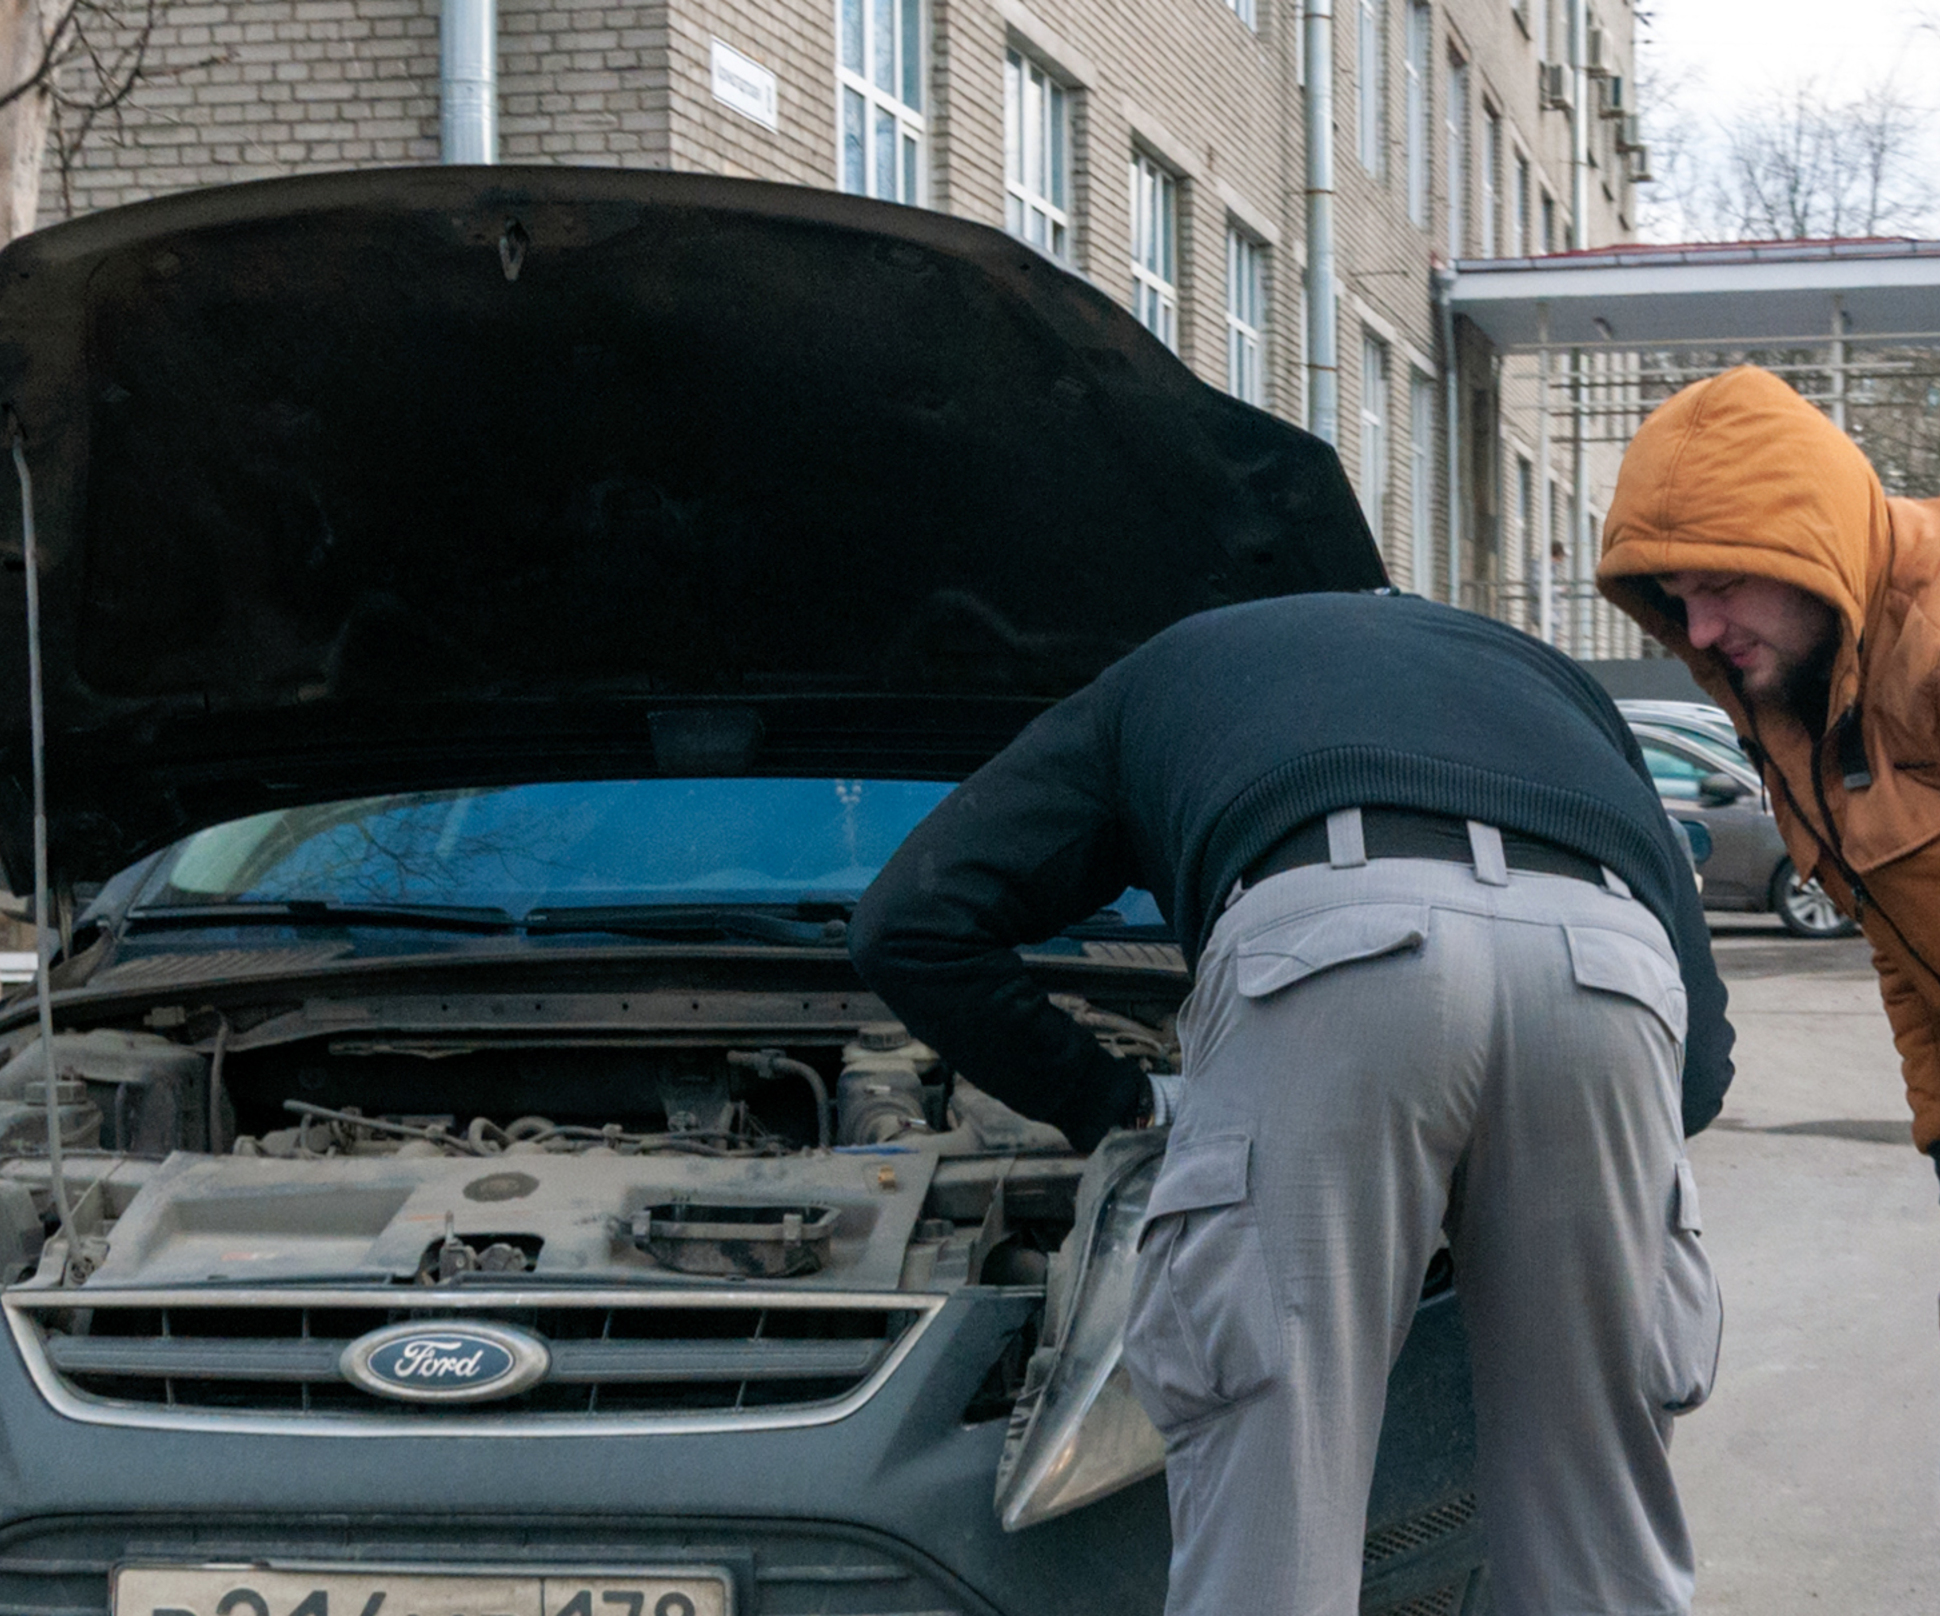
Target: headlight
1077,1433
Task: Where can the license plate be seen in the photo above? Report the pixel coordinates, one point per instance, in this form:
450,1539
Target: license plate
160,1590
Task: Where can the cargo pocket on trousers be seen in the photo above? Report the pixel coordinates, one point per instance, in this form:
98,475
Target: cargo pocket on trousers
1689,1326
1203,1332
1616,962
1292,950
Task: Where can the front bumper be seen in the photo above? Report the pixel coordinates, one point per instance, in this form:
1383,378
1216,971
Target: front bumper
885,1512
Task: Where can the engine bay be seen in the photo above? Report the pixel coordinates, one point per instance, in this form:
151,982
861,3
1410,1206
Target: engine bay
230,1148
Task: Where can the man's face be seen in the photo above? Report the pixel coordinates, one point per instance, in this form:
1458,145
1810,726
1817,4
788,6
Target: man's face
1770,632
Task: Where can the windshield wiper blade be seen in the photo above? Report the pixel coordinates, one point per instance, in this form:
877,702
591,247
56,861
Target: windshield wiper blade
321,911
815,928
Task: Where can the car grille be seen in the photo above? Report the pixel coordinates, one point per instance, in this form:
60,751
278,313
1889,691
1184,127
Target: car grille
658,1361
779,1569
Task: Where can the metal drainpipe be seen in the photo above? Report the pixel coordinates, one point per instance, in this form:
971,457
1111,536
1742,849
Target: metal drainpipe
1323,339
1579,125
1444,286
468,82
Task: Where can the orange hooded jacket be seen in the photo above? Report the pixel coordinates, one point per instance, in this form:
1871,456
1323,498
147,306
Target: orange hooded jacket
1738,474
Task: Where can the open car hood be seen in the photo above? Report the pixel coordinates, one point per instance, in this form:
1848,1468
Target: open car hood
416,478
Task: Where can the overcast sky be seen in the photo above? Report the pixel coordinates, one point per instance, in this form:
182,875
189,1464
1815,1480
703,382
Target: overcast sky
1742,47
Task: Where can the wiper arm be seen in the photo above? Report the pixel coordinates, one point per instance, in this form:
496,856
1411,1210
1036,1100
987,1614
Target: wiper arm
806,927
323,911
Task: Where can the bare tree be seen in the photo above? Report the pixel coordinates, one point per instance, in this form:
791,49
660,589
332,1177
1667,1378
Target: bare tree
1669,204
1812,166
65,64
1798,161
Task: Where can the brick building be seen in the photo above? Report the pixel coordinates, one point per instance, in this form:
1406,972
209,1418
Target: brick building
1158,147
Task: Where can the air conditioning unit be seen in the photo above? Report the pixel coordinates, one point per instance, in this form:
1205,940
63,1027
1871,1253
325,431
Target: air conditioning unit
1630,133
1640,165
1554,87
1613,97
1599,59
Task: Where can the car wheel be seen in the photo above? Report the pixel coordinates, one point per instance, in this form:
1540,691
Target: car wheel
1805,907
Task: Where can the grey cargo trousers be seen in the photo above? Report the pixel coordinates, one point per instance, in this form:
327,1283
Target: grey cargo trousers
1374,1051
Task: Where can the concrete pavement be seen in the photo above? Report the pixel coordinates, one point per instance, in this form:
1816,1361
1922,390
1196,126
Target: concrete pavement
1812,1478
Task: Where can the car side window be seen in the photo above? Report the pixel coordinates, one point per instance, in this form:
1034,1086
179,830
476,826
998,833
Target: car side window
1675,775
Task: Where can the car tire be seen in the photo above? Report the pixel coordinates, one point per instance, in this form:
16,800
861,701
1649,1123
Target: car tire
1804,906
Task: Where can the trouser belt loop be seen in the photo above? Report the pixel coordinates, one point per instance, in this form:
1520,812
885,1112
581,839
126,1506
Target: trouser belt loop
1485,844
1615,882
1346,846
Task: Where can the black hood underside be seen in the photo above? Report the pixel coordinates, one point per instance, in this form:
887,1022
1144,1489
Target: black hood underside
419,478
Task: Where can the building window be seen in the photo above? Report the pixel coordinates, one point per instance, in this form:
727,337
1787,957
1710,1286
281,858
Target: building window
1421,479
1245,318
1458,178
1247,11
1373,84
1519,208
881,94
1549,223
1037,157
1374,434
1421,33
1155,235
1491,182
1526,515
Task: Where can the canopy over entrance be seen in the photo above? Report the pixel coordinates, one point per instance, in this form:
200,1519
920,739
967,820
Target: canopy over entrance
1569,352
1715,295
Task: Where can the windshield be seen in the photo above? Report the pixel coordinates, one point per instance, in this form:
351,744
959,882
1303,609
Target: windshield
597,844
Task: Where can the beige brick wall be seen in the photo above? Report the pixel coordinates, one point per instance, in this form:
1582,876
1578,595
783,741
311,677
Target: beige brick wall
254,88
258,88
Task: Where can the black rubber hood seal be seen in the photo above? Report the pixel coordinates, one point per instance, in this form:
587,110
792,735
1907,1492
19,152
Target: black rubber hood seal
415,478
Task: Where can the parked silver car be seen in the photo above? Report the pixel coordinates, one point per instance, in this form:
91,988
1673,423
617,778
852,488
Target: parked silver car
1705,781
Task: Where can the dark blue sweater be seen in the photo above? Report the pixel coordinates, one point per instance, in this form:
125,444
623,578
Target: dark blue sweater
1186,760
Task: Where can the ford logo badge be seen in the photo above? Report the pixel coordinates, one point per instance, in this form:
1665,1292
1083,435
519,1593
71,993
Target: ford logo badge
446,1362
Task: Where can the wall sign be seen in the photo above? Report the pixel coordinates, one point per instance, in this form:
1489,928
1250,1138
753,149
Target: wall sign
746,86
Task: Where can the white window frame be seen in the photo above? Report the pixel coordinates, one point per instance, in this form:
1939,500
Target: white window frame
1419,69
1245,317
1374,434
1371,77
1037,156
1155,248
1247,11
874,120
1526,514
1491,182
1551,218
1519,223
1421,479
1455,128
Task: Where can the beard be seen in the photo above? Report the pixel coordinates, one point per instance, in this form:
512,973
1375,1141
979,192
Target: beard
1801,685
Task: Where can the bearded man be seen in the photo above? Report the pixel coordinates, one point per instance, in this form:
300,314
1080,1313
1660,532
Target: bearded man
1751,536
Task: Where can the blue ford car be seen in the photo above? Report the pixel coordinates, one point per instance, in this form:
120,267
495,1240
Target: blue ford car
492,625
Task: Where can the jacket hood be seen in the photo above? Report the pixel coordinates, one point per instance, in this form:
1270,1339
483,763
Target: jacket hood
411,479
1739,474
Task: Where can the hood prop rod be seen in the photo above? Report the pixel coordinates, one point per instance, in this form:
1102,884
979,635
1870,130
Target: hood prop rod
43,930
